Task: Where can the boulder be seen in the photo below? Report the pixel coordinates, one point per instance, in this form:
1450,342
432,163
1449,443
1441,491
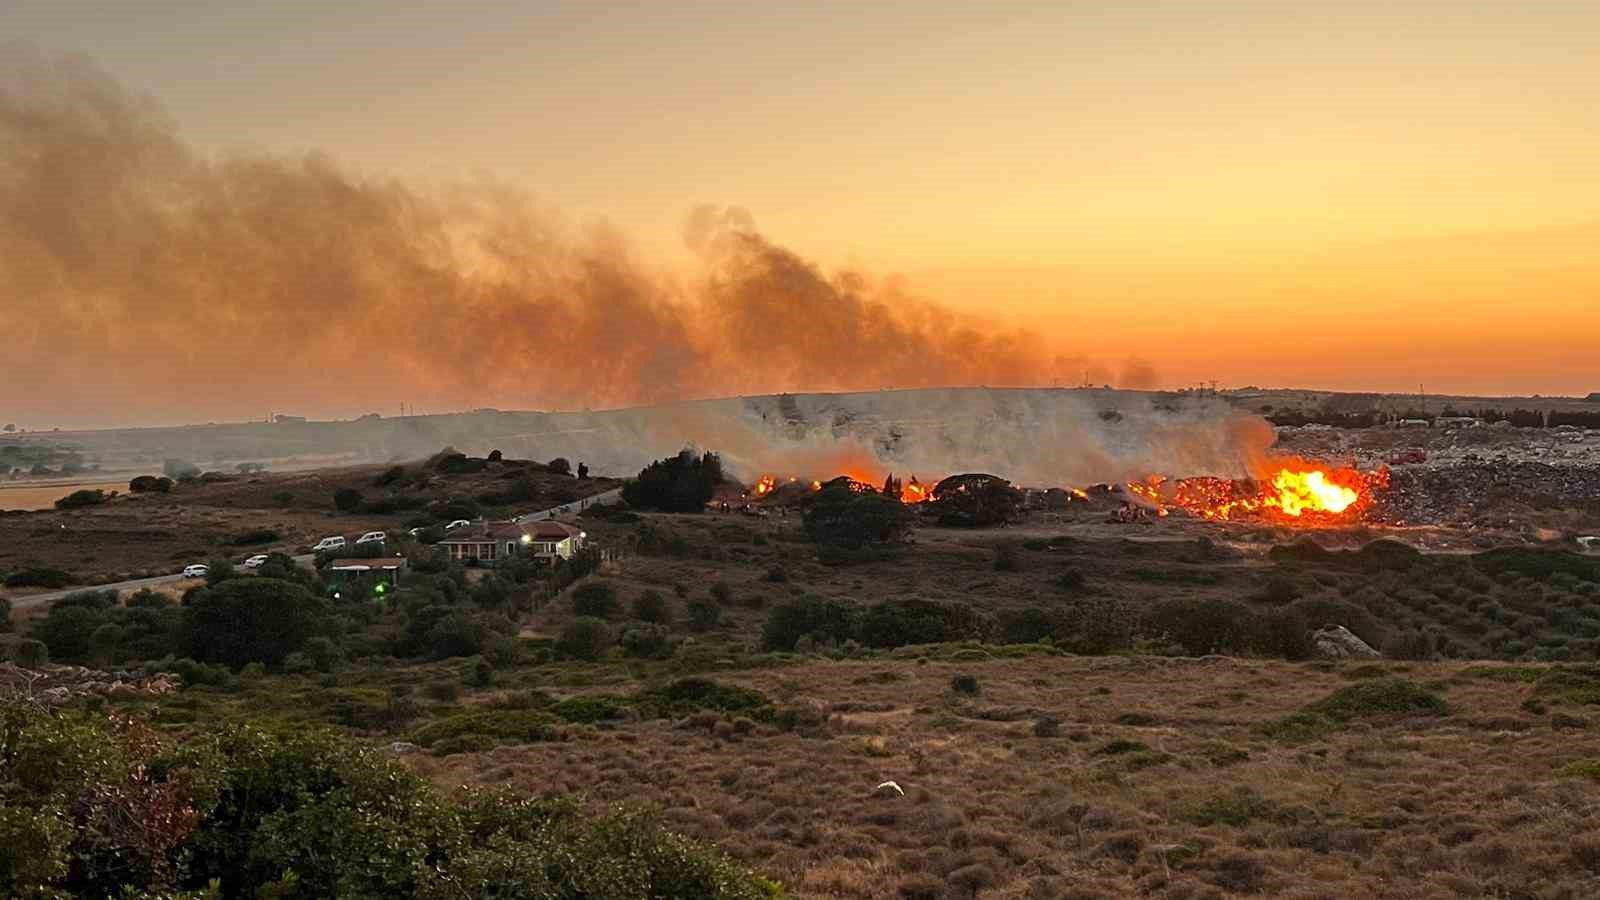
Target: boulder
401,748
1336,642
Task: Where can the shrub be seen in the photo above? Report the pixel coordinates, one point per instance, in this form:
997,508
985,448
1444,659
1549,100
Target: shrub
895,623
596,599
30,653
587,710
722,593
585,638
820,619
81,499
390,476
560,466
841,518
1381,696
1099,624
245,620
442,691
1238,809
690,695
347,499
646,641
703,614
5,615
255,536
964,684
777,574
40,576
1201,627
143,484
1006,559
1070,580
650,606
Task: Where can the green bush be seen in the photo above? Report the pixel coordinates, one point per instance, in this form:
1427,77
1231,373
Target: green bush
81,499
646,641
703,614
40,576
1200,627
595,599
650,606
519,725
690,695
823,620
841,518
347,499
965,684
255,536
682,483
722,593
896,623
150,483
30,653
1380,696
588,710
585,638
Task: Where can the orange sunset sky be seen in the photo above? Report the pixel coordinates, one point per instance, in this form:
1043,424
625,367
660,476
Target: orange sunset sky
1353,195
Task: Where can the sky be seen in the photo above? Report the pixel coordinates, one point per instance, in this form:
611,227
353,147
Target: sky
1354,195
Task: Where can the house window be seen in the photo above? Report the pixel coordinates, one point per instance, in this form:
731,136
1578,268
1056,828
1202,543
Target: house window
511,547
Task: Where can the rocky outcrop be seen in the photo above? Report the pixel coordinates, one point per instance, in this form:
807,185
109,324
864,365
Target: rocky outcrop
1337,642
56,685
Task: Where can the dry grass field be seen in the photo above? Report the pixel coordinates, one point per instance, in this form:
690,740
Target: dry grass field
1109,777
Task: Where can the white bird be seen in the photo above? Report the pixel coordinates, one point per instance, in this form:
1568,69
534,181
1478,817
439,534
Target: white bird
890,784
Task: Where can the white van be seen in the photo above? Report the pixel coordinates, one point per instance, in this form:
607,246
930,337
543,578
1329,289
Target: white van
330,543
369,537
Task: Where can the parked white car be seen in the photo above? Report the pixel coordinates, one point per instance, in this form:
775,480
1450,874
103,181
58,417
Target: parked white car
459,523
198,570
330,543
255,562
369,537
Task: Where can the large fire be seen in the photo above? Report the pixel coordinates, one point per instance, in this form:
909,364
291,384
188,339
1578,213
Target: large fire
1294,493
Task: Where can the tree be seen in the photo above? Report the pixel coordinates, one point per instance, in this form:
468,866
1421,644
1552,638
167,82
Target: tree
495,456
583,470
975,500
842,517
560,466
682,483
245,620
10,428
347,499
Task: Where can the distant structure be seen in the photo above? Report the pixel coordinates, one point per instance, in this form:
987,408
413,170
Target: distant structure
281,419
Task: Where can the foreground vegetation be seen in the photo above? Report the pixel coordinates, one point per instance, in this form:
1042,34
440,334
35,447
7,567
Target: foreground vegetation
98,805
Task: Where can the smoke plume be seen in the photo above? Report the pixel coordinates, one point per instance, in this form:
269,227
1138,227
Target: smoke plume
137,274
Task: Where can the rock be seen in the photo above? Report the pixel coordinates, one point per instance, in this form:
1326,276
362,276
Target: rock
1336,642
55,696
402,747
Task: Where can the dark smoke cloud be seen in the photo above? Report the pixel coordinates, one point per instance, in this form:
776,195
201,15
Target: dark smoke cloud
137,274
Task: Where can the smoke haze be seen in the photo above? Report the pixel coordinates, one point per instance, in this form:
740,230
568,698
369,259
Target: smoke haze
141,280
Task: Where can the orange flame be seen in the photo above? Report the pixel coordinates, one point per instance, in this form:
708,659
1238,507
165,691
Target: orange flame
914,492
1294,492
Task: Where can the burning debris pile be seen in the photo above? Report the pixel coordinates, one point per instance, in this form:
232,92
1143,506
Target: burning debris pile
1296,493
56,685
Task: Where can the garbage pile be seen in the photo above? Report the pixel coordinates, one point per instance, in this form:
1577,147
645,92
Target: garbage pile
57,685
1459,494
